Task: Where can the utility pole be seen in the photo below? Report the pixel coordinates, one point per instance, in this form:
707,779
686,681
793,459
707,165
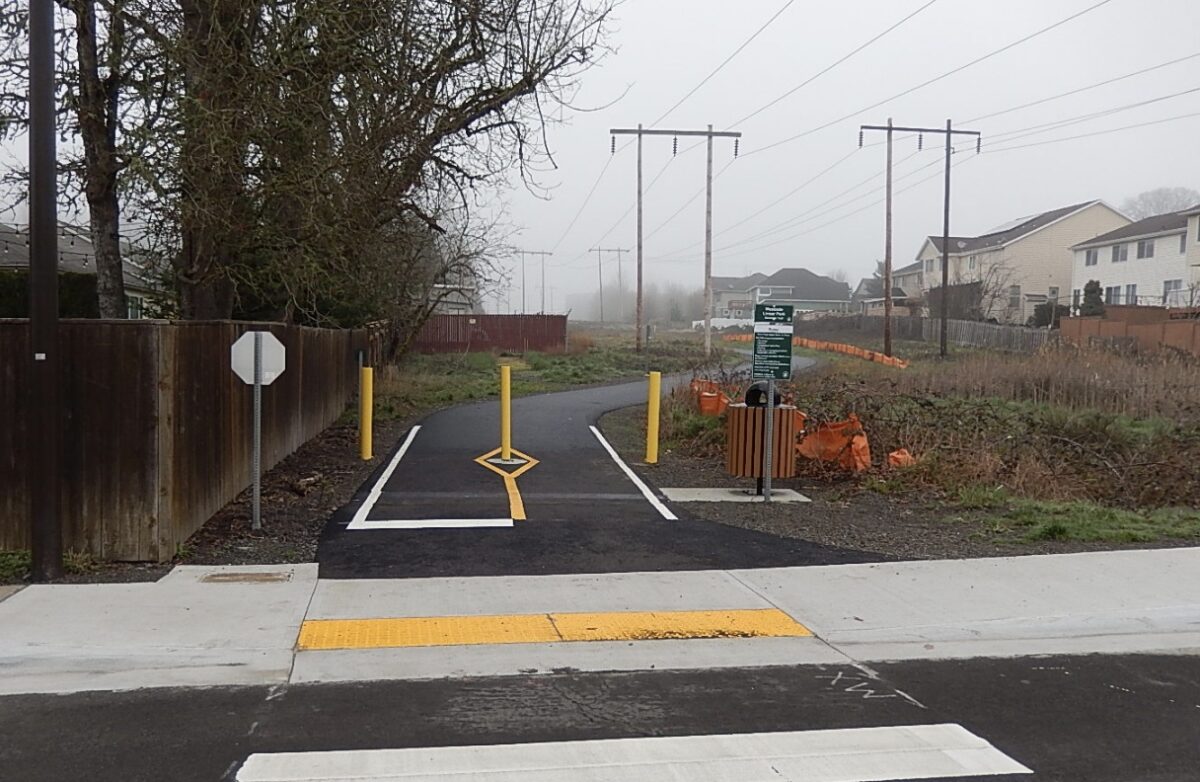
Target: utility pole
949,132
522,252
43,443
543,254
709,134
600,270
887,244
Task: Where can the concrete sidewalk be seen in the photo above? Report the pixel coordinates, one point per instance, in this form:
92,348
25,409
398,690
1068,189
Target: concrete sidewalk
239,625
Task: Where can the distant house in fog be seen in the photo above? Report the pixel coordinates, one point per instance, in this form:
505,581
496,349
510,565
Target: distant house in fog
735,297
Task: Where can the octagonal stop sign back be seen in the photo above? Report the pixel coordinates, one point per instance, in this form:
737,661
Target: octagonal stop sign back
274,357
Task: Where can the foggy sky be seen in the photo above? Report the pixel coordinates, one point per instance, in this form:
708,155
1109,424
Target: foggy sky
665,47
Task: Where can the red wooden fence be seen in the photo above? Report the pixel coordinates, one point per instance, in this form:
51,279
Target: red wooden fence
465,333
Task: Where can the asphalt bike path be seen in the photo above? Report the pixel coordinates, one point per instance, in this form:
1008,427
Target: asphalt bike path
441,504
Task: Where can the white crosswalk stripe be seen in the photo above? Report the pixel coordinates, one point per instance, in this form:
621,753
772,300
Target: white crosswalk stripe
883,754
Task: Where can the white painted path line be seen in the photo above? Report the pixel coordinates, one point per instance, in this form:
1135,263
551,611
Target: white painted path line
433,523
663,510
360,515
853,755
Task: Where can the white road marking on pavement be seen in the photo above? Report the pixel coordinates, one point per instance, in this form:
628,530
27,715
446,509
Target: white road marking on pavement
853,755
433,523
642,487
360,515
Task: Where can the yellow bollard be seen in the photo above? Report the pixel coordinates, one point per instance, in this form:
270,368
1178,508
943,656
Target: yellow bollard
505,412
366,407
652,417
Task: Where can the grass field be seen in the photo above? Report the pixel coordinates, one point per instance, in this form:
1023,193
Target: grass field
428,382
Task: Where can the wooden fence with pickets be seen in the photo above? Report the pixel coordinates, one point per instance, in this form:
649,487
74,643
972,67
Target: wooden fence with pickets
156,428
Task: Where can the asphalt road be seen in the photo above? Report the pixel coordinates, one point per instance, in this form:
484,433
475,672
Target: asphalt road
584,513
1069,719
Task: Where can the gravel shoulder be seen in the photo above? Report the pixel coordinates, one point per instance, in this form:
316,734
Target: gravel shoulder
842,513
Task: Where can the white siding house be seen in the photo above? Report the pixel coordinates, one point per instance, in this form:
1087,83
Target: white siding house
1150,262
1026,261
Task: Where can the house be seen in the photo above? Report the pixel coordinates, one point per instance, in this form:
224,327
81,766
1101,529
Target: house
731,295
1151,262
804,290
76,254
868,299
1020,264
910,279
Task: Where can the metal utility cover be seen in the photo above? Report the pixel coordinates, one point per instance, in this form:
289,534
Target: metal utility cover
772,341
274,357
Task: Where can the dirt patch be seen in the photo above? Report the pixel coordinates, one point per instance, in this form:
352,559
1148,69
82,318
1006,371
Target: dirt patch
298,497
843,512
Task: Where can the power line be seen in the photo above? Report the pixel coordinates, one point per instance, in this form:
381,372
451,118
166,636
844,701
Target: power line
935,79
678,103
1079,90
725,62
586,199
985,151
829,68
1057,124
1095,133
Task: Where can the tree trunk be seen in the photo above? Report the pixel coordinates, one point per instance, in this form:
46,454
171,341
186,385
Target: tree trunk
98,107
212,165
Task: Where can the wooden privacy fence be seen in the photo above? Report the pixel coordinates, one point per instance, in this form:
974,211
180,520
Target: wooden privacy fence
1181,335
157,429
465,333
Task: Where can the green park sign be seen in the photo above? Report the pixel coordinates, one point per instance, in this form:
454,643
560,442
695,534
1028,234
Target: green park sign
772,342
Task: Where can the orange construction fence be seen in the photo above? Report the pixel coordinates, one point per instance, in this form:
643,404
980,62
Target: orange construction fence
835,347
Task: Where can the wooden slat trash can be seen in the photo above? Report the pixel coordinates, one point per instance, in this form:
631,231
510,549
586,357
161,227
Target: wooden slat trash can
744,430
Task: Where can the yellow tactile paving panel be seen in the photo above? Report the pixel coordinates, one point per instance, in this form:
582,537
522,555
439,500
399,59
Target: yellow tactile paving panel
546,628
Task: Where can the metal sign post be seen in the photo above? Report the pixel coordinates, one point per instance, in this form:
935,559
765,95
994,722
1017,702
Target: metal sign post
772,360
258,358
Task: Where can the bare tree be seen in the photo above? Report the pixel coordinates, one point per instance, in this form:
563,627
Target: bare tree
111,89
1159,201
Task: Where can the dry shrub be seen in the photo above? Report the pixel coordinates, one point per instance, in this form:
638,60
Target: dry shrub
580,343
1034,450
1140,386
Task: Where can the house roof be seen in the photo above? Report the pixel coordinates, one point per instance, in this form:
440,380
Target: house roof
873,287
1195,210
1170,223
806,286
75,253
915,266
737,283
1009,232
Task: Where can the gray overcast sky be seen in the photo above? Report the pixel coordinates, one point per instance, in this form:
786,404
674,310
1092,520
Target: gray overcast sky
665,47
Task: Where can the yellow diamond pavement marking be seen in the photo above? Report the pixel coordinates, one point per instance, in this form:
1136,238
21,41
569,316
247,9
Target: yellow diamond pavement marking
322,634
516,506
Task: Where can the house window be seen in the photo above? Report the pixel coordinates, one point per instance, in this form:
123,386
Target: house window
1120,252
1183,243
1076,297
1171,288
1146,248
929,265
133,307
971,263
1112,294
1014,297
1052,294
1131,294
1091,257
